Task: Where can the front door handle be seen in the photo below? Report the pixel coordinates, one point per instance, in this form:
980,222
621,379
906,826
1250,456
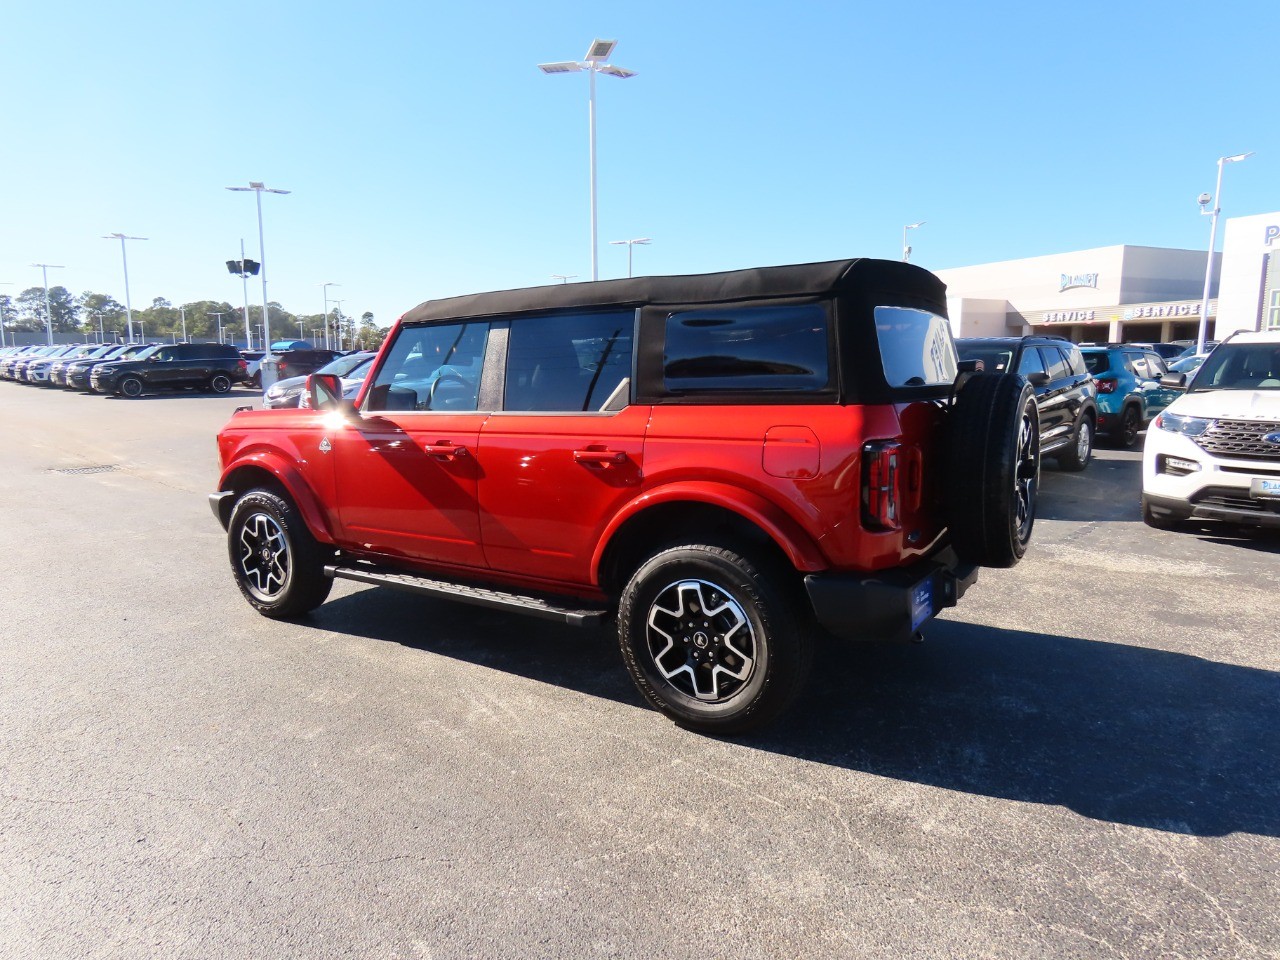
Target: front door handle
602,458
444,450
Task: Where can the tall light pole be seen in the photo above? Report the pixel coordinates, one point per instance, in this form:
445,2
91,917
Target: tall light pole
5,283
593,63
643,241
48,311
1216,200
124,256
183,311
564,277
258,189
325,288
218,319
906,250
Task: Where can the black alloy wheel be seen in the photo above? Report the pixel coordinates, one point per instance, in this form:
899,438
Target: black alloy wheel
277,564
130,387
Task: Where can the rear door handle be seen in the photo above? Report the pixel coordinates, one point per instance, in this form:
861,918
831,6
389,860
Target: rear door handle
444,450
603,458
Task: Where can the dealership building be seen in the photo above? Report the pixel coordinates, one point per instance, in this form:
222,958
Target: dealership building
1125,293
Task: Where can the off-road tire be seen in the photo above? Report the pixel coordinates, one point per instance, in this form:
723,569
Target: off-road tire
291,581
748,657
993,469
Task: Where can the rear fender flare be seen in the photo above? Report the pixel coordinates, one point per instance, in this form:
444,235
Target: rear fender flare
799,547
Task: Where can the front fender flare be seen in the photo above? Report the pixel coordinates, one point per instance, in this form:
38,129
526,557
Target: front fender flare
289,477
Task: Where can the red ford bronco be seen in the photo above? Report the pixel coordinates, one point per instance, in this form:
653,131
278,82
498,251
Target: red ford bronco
725,464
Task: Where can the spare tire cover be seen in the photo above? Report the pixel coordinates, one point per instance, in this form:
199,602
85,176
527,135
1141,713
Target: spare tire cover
993,469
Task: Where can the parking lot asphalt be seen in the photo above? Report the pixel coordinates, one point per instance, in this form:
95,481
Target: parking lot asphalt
1082,760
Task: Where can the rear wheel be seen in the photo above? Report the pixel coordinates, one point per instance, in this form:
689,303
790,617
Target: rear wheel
278,565
220,383
130,387
1130,424
1076,456
713,639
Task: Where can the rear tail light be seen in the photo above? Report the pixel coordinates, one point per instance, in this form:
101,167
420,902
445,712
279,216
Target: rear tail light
1107,386
881,484
243,366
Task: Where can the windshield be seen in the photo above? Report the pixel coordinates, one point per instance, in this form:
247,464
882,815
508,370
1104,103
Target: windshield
1240,366
995,358
146,352
343,366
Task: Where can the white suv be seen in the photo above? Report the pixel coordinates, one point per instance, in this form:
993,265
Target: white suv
1214,453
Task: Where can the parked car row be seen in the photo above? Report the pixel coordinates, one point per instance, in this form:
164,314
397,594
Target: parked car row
291,391
129,370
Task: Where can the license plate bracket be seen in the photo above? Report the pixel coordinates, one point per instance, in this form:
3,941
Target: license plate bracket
1265,488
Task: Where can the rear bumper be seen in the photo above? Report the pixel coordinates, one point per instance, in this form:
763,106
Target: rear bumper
892,604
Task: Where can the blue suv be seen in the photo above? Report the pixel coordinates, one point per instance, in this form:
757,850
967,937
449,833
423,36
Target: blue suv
1129,390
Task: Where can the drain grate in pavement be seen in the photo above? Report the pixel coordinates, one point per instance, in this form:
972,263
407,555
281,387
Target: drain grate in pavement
83,471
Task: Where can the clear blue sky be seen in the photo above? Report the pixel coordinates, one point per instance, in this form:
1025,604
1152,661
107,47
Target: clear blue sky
429,157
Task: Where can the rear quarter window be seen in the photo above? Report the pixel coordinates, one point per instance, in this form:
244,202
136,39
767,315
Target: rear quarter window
916,348
737,349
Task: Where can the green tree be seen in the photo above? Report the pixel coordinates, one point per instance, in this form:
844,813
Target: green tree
95,306
63,308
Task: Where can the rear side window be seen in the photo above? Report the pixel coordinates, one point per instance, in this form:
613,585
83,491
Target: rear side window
572,362
916,348
735,349
1097,362
1075,361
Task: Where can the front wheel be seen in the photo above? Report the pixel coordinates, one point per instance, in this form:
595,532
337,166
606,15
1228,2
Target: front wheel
713,639
130,387
278,565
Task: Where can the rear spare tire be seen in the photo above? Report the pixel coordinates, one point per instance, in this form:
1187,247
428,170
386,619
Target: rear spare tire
993,469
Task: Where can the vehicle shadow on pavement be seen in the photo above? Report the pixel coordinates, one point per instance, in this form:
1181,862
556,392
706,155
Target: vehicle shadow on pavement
1113,732
1117,733
1106,490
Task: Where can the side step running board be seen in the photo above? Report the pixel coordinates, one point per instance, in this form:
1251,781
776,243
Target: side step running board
480,596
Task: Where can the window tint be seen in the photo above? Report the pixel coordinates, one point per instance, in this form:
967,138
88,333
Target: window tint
1057,360
1075,362
432,367
568,362
1030,362
1157,365
748,348
1140,365
916,348
994,359
1097,362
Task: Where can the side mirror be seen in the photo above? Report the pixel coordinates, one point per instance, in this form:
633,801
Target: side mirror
325,392
1038,379
1175,381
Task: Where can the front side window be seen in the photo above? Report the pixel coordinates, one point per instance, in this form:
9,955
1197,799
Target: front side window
1030,362
1058,368
569,363
916,347
432,367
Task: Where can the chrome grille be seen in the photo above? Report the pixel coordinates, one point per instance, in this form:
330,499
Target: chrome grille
1240,438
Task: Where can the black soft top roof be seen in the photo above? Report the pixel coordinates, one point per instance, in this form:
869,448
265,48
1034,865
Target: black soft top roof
797,280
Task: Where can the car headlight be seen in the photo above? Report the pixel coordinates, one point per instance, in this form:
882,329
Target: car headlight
106,371
1187,426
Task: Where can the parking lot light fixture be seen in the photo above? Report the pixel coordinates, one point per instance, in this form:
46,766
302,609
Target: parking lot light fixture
218,319
48,312
325,288
258,189
1205,200
6,283
643,241
124,256
906,250
592,63
564,277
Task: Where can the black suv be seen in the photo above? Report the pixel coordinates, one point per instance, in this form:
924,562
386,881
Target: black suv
1065,391
203,366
